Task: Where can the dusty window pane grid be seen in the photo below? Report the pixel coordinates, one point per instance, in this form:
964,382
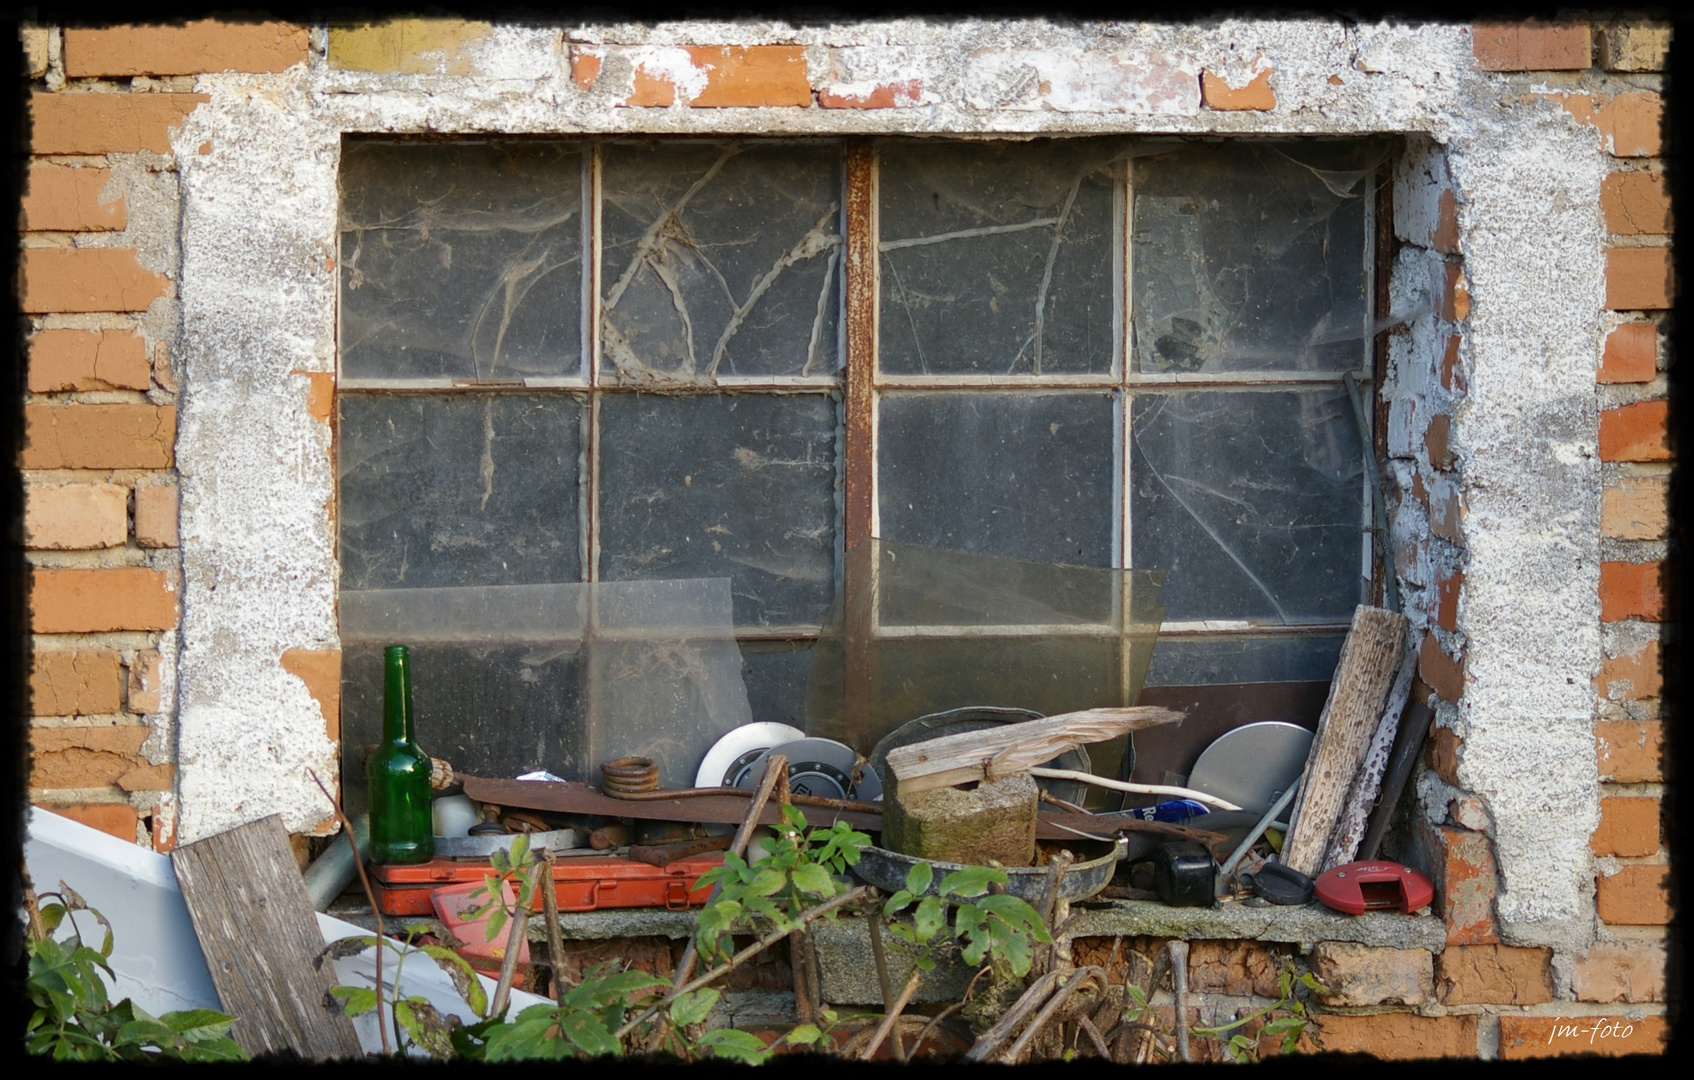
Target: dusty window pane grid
1074,351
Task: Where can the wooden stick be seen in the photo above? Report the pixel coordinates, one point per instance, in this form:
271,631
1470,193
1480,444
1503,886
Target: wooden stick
370,895
798,967
1138,789
1054,1004
951,760
1179,980
1367,782
776,766
1368,661
550,910
990,1040
509,962
892,1017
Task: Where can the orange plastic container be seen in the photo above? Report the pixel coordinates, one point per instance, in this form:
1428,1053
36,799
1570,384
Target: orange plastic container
454,905
584,883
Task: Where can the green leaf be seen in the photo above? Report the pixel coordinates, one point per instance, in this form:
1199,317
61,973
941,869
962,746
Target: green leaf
793,816
463,976
1016,950
588,1034
138,1032
805,1035
814,879
528,1039
919,877
496,920
972,881
897,902
930,918
767,883
220,1049
693,1008
358,1000
199,1025
733,1045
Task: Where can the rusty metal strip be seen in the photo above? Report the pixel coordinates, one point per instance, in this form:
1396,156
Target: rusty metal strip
861,340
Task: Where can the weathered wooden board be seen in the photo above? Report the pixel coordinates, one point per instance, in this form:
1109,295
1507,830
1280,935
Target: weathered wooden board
977,755
248,903
1367,782
1368,661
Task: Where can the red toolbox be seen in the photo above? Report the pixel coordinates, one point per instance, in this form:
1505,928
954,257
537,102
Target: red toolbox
583,883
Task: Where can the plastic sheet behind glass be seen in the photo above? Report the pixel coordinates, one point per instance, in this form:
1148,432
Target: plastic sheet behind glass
925,629
508,679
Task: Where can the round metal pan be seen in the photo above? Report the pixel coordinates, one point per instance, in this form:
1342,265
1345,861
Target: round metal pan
887,871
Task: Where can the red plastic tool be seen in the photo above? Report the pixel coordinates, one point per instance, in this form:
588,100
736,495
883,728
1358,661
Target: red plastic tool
582,883
455,906
1358,887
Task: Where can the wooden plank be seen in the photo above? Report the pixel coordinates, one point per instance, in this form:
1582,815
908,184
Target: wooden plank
1367,782
1369,658
248,903
980,755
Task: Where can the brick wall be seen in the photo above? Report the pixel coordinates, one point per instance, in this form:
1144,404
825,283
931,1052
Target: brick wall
100,505
99,296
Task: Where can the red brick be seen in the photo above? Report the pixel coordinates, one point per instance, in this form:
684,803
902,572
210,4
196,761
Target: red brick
1454,291
1442,754
1437,439
1638,432
1630,971
1452,373
1633,676
156,512
87,279
1638,279
1362,975
75,517
1630,751
1532,45
146,683
1631,354
190,48
1636,508
1632,591
74,683
61,198
111,436
1629,826
1637,895
1461,863
737,76
320,393
320,670
1445,675
1445,239
1237,968
1397,1036
1447,599
107,123
118,819
1256,96
1494,975
1636,203
1547,1036
585,67
61,360
1631,124
891,95
85,757
99,601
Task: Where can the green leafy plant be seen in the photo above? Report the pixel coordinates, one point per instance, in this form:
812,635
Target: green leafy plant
998,927
800,869
1241,1047
74,1018
416,1021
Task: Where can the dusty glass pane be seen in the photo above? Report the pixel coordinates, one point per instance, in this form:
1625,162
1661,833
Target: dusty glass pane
1243,658
775,673
1251,501
1251,256
719,259
723,485
997,258
1028,476
461,259
476,489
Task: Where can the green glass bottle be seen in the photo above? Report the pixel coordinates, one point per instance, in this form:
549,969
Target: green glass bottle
402,827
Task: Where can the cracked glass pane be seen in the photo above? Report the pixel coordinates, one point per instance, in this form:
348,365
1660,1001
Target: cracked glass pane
998,258
461,260
1253,501
474,489
719,259
1029,476
724,485
1252,257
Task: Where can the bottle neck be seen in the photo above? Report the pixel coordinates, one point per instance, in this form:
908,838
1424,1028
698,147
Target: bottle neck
397,699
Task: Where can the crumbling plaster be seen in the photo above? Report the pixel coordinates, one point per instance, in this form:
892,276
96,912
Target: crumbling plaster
257,288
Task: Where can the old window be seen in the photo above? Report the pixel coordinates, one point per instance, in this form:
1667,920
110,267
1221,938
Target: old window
612,360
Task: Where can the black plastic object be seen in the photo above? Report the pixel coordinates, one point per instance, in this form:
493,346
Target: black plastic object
1281,884
1184,874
